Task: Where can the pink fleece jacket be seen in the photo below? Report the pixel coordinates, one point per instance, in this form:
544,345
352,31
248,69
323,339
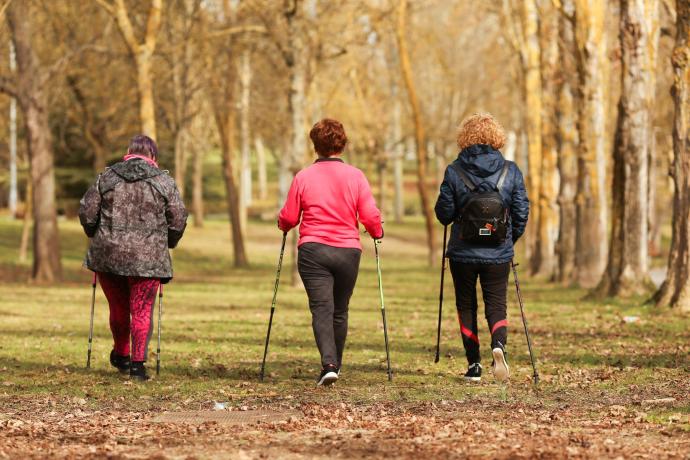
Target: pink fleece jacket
330,197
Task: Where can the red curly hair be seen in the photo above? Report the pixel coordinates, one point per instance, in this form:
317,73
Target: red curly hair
481,128
328,137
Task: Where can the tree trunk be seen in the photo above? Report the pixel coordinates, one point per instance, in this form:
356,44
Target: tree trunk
47,266
544,255
245,72
567,158
398,160
142,54
627,270
533,121
420,137
198,187
297,70
180,160
26,224
381,175
226,129
654,218
675,291
147,112
592,69
13,195
261,168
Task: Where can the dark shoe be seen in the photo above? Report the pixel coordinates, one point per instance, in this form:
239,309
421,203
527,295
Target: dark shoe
474,373
329,375
121,363
500,365
138,372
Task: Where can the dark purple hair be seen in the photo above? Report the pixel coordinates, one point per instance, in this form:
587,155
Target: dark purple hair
143,145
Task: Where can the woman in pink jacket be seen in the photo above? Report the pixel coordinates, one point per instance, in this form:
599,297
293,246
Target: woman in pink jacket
329,198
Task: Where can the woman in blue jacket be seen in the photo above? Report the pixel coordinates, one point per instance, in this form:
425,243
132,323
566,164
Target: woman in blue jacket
479,175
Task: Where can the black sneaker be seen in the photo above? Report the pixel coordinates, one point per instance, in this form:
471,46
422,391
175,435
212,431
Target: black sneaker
137,371
121,363
474,373
500,365
329,375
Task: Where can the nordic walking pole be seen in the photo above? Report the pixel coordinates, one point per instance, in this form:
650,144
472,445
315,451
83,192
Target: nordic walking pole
273,306
535,377
160,316
93,305
440,294
383,309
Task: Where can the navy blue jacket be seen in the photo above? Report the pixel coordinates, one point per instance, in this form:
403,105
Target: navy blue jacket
483,164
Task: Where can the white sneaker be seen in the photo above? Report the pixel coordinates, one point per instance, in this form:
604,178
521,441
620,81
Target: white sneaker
500,366
329,375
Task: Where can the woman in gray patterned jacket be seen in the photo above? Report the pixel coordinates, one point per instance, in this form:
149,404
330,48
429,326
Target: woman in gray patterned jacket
132,214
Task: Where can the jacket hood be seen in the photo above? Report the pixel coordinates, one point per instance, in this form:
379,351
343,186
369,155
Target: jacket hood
135,170
481,160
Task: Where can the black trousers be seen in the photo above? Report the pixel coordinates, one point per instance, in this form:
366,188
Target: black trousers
494,282
329,275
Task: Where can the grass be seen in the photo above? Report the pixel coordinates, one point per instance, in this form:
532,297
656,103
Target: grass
215,321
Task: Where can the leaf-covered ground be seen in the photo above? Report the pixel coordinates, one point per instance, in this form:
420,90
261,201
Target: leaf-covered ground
615,375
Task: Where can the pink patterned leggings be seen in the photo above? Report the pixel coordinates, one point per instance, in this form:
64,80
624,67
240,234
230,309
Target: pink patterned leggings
130,295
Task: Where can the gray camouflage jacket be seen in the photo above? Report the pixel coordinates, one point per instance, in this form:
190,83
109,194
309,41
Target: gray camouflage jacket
133,214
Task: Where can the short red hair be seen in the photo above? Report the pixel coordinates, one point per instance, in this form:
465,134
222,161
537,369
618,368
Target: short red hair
481,128
328,137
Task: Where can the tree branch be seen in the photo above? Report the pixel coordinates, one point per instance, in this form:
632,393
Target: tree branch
107,6
153,25
4,8
7,86
125,26
236,30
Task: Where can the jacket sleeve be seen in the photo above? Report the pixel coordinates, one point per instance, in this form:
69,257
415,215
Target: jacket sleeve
368,214
289,216
175,215
519,206
446,209
90,209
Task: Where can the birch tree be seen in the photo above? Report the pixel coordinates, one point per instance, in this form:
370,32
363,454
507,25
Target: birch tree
245,74
675,290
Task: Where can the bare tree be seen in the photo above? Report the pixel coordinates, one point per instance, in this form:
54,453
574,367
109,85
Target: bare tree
592,71
627,270
29,88
567,147
142,53
420,136
521,27
544,254
221,91
675,291
182,55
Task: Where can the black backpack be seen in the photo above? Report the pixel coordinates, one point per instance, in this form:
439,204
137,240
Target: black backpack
484,218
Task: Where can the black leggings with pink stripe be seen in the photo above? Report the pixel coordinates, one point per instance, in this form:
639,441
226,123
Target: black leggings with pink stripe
131,300
494,282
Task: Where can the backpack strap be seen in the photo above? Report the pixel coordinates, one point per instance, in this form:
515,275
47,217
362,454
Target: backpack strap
463,177
502,177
